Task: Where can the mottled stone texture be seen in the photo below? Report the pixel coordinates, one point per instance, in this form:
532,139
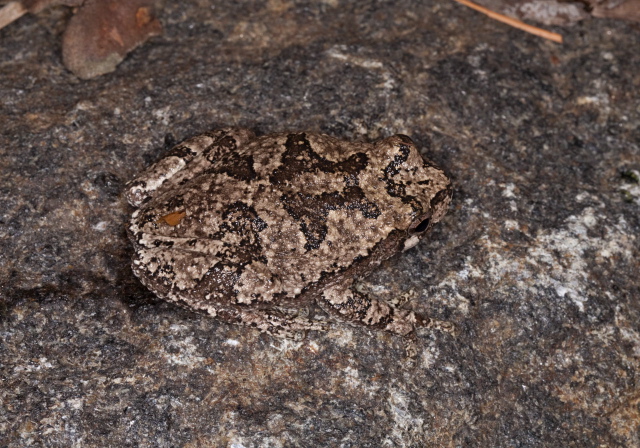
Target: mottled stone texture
537,262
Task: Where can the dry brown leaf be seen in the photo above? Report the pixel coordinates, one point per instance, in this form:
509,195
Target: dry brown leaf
102,32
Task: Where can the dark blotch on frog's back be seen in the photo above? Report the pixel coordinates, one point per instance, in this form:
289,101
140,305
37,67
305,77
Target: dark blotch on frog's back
299,157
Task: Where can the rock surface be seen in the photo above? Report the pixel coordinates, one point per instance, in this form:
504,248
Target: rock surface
537,262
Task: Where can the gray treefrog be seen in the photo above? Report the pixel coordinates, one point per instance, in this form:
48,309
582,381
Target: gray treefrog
245,227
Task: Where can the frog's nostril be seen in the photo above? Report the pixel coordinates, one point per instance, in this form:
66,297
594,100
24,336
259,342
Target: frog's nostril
422,226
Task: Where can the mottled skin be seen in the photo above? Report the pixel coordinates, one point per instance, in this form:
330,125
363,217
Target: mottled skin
244,227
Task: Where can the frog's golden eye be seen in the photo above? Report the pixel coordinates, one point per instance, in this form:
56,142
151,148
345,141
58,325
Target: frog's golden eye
424,225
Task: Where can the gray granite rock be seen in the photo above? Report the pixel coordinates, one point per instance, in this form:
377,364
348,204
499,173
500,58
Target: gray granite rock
537,262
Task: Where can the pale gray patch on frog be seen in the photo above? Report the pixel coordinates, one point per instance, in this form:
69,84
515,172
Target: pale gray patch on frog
166,169
250,221
168,173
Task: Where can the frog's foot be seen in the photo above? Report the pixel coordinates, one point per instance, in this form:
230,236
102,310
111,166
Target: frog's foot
433,324
273,322
359,308
399,300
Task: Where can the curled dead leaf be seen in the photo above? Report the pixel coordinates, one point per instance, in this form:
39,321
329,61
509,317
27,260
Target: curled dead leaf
102,32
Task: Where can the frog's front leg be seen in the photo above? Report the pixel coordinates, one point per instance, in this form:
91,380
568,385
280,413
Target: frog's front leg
272,321
359,308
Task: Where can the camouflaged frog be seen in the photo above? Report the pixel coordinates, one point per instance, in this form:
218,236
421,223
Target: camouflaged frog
245,227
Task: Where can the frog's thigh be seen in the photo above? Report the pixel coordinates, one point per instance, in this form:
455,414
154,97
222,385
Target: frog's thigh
172,169
359,308
161,172
269,321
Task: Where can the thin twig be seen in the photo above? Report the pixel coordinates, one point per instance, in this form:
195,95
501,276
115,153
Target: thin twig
514,22
10,12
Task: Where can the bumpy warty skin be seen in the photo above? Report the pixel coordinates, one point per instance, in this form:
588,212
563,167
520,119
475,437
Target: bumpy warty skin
237,225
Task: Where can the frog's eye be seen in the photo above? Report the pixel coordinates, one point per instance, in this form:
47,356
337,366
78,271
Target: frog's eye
424,225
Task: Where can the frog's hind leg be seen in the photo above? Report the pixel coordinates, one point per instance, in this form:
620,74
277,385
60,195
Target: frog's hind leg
198,153
359,308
